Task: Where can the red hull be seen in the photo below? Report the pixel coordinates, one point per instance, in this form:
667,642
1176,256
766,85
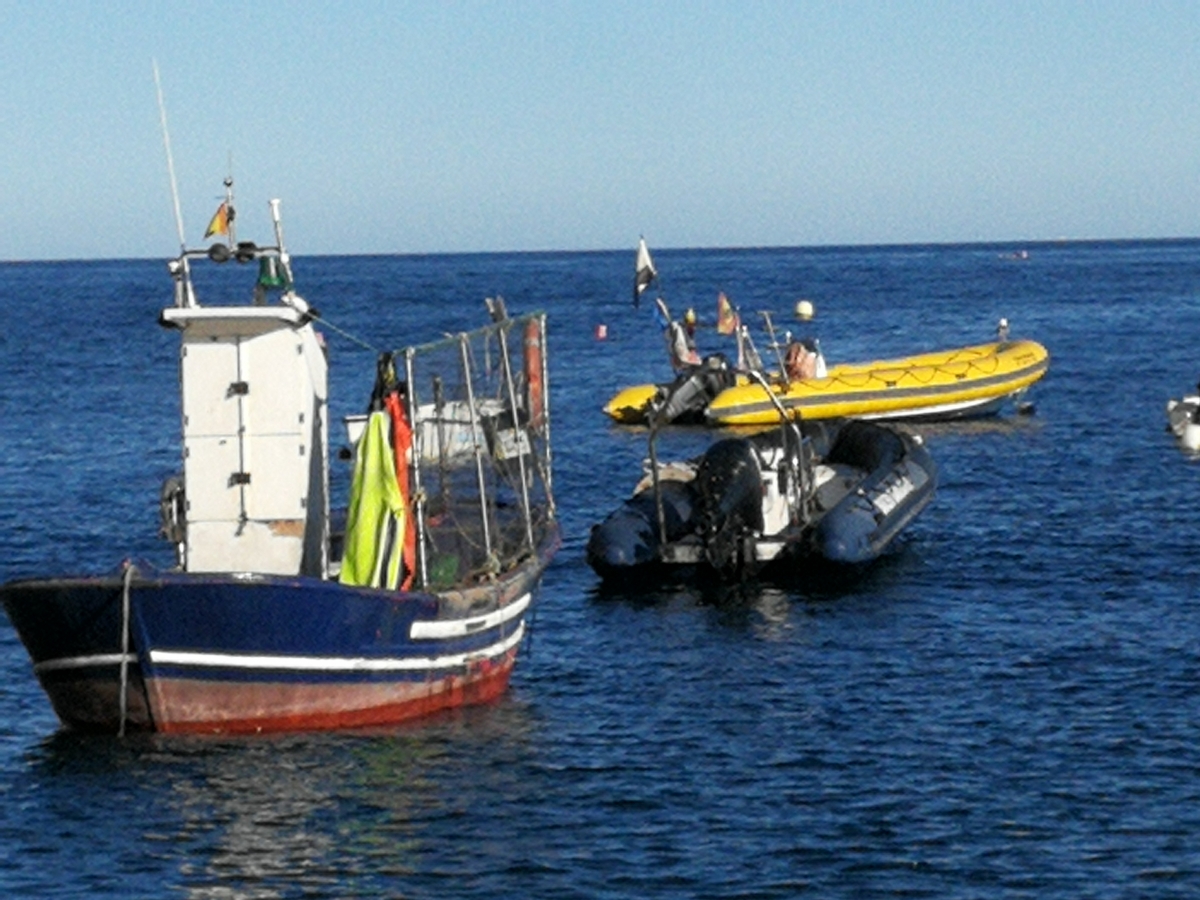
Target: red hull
184,706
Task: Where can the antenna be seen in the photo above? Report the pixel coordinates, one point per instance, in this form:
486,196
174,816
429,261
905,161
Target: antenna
162,113
183,290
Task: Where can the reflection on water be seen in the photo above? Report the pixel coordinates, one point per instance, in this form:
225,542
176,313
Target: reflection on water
249,815
814,580
772,610
267,817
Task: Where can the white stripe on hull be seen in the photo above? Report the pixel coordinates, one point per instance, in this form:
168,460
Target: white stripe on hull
83,662
974,406
419,631
331,663
453,628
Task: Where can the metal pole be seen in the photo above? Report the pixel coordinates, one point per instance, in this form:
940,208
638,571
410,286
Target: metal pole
775,347
187,297
439,417
548,475
230,212
517,431
658,503
477,441
793,423
417,502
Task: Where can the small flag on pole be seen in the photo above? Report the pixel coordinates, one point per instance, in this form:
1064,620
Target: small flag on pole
644,272
220,221
727,317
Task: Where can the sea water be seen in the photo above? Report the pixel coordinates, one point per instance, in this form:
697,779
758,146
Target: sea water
1006,705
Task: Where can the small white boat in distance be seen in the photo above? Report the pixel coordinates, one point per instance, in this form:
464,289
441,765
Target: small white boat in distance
1183,419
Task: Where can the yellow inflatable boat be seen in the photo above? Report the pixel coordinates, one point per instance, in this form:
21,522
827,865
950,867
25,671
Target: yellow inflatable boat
960,383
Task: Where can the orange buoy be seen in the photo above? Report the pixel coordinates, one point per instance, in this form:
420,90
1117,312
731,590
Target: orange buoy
533,372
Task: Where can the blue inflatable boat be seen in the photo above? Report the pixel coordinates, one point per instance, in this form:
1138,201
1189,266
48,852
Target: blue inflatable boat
837,491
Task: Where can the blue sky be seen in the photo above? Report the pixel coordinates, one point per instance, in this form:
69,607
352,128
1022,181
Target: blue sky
398,127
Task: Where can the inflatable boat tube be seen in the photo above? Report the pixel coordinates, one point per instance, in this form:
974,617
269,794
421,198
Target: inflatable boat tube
627,542
901,483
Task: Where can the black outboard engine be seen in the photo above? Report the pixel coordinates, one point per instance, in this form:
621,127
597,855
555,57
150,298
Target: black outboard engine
690,393
729,486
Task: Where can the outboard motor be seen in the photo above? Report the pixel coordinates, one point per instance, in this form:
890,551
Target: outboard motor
729,486
689,394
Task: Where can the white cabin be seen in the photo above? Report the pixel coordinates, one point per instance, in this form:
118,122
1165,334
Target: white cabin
253,385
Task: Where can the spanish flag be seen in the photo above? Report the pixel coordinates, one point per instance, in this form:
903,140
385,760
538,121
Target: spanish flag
727,317
220,221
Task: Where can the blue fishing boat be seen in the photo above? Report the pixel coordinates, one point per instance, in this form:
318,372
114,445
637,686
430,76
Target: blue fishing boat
273,618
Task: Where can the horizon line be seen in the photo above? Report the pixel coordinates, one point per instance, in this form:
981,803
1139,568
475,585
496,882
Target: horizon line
910,245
